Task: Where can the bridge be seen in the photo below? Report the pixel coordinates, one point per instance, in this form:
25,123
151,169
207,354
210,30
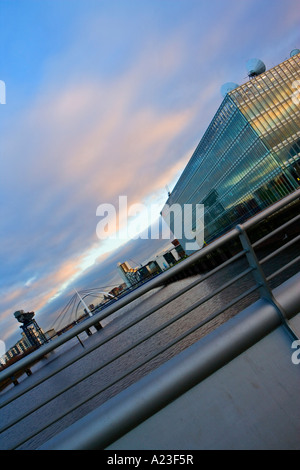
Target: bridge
234,385
76,308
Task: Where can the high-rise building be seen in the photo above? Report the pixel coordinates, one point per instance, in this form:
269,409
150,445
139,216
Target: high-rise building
126,272
249,156
133,276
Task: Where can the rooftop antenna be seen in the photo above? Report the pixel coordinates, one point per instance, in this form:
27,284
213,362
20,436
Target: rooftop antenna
255,67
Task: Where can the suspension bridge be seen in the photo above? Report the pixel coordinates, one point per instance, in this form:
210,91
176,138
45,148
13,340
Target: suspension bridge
82,304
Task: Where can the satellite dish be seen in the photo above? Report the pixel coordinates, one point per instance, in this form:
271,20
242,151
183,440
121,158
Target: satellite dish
23,317
255,67
227,87
294,52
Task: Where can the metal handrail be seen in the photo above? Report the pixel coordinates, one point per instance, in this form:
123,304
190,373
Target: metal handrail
131,407
233,234
283,268
277,230
156,282
279,250
188,262
131,347
126,327
142,363
272,209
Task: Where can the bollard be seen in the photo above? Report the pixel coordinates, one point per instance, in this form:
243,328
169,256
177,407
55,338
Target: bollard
14,381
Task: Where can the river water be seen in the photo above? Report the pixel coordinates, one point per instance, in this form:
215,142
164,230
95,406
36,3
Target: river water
89,390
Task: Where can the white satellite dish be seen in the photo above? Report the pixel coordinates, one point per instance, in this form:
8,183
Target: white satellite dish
255,67
294,52
228,87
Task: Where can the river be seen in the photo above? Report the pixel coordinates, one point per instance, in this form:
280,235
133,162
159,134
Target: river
89,390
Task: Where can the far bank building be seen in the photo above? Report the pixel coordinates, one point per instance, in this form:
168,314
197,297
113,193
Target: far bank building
249,156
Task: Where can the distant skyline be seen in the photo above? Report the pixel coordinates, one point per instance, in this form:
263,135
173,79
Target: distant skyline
107,98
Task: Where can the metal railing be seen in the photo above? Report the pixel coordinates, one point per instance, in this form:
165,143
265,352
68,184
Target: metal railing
261,285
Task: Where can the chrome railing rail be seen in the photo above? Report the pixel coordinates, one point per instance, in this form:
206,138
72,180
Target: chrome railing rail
260,284
76,330
276,231
164,277
124,328
146,398
137,343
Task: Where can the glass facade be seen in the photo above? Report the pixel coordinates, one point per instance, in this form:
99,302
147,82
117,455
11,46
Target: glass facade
249,157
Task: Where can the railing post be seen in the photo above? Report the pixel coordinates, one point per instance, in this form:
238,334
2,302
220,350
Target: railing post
261,280
14,380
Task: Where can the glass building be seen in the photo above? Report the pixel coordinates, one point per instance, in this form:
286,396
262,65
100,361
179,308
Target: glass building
248,158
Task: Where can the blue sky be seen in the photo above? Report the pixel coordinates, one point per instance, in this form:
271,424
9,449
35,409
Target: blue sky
107,98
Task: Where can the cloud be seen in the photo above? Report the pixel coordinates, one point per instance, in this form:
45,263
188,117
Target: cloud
117,111
102,274
80,145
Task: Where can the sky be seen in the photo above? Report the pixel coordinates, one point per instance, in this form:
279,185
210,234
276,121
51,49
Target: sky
107,98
